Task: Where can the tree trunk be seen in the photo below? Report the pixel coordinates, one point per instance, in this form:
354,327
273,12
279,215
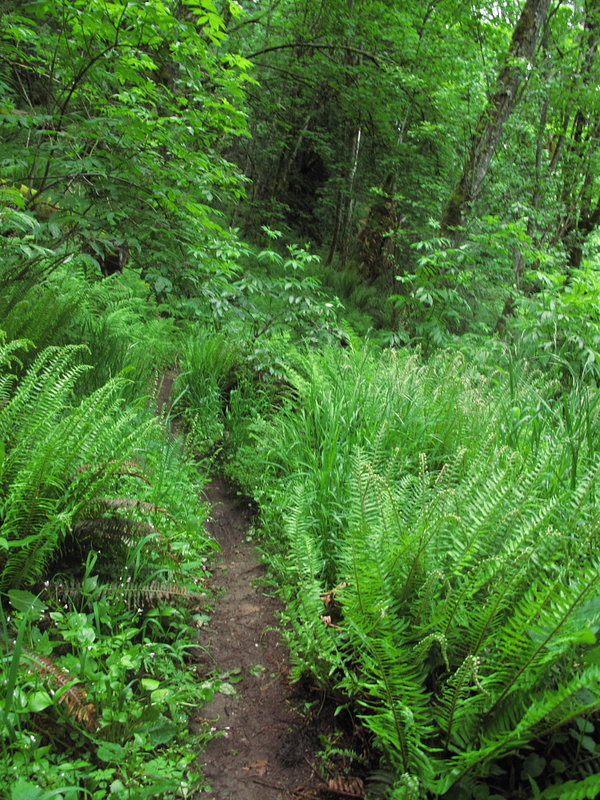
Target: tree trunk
583,212
349,199
491,121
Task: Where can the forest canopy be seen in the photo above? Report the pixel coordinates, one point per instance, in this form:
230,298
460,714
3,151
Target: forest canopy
443,153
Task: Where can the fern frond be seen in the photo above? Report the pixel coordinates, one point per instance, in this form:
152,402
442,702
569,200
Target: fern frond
541,628
461,703
130,502
585,789
314,642
8,355
42,394
135,595
118,528
391,687
125,467
155,592
70,691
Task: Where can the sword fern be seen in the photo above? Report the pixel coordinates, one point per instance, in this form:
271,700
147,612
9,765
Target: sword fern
59,457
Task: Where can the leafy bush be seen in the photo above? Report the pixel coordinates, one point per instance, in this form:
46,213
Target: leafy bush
457,290
258,319
274,294
559,325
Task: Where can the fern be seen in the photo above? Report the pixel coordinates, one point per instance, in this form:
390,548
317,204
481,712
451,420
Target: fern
496,621
47,443
112,529
585,789
131,502
445,506
142,595
68,691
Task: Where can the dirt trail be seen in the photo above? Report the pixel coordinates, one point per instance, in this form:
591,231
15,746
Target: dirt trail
265,749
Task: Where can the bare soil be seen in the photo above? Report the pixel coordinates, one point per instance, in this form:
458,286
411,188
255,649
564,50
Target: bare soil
265,746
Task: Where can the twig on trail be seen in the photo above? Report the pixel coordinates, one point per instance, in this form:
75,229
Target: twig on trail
295,792
252,569
314,771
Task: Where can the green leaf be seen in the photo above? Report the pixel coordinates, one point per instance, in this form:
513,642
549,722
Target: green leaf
162,284
111,752
585,636
592,656
38,701
533,766
163,733
584,725
160,695
26,601
25,790
588,743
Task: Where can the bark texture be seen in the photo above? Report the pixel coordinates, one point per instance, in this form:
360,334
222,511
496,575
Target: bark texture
491,121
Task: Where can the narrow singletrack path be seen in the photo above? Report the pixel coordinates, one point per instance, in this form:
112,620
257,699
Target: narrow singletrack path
265,748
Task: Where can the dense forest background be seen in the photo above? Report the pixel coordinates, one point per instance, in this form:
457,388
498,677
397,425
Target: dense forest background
363,236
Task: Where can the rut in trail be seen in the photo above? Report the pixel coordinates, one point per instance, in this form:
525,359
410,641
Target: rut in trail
265,750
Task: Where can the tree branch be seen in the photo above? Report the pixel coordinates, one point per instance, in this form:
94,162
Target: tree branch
316,46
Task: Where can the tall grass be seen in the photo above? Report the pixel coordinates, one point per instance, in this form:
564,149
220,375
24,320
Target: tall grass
210,367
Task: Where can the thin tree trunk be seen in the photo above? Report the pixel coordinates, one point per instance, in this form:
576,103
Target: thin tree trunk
349,201
489,126
337,227
583,213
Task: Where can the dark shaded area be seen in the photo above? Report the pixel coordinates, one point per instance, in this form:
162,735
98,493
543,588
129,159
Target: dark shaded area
308,176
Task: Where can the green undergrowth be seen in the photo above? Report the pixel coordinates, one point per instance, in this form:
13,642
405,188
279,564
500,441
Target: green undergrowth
433,527
118,319
431,523
103,555
103,550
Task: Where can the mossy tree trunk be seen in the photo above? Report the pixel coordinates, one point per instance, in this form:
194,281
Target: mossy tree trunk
488,130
